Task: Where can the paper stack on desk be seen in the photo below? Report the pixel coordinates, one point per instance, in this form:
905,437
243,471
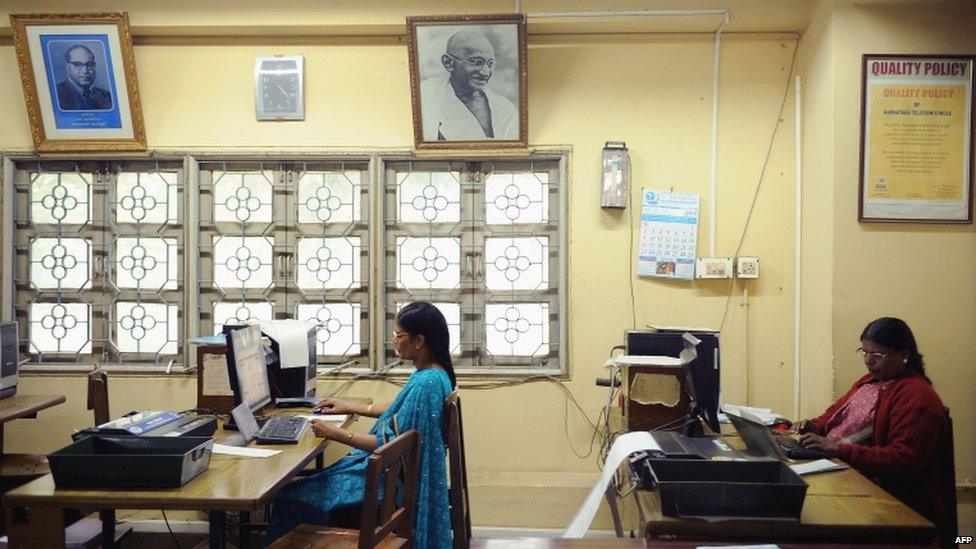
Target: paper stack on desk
763,415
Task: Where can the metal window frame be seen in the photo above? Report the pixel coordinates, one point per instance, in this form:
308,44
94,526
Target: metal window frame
376,161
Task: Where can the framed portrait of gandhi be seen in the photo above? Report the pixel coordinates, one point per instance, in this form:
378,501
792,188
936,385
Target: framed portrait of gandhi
79,78
468,81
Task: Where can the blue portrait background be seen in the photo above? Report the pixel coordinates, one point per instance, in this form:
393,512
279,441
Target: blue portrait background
54,47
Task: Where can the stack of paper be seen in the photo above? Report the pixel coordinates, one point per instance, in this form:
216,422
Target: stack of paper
764,415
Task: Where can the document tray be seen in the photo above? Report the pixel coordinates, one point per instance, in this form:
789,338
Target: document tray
130,462
702,488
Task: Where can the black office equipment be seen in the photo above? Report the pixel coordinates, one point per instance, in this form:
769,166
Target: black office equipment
285,383
8,359
294,382
677,446
704,374
703,488
763,441
154,424
130,462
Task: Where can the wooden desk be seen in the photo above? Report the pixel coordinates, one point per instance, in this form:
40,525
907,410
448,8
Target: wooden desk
35,511
21,406
840,506
17,468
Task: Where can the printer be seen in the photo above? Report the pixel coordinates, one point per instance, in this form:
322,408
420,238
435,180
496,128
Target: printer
154,424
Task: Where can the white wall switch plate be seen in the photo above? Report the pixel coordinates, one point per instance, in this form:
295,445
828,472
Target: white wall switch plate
747,267
713,267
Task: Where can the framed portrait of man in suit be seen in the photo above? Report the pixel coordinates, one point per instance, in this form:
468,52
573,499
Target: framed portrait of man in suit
79,80
468,81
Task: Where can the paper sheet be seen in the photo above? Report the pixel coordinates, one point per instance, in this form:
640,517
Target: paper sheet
243,452
292,339
760,415
331,418
818,466
622,447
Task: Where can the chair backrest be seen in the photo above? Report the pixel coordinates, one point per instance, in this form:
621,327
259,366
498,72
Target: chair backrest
453,432
399,458
947,484
98,395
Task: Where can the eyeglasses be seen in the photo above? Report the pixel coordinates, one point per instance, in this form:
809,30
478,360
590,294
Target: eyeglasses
876,356
477,63
78,65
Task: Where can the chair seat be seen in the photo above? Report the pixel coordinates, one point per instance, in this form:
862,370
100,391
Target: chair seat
309,536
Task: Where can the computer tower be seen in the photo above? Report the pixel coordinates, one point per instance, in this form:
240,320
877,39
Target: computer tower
8,359
293,382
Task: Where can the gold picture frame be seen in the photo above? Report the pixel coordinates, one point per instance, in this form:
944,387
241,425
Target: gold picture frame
79,78
468,81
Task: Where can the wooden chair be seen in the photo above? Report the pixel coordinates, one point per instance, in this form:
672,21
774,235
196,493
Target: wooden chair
453,431
98,396
385,526
947,483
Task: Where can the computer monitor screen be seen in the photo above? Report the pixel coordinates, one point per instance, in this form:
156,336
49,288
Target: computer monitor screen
245,357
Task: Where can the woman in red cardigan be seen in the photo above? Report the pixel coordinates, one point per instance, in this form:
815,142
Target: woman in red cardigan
888,423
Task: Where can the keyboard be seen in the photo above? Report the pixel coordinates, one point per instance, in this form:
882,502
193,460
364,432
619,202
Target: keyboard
793,450
282,430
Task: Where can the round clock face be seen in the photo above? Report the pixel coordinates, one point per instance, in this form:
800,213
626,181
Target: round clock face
280,93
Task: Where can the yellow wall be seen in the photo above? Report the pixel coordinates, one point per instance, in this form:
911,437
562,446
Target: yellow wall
652,90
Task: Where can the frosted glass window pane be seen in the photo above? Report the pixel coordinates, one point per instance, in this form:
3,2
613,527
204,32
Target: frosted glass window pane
517,329
340,326
60,328
239,312
146,198
425,197
63,263
329,197
428,262
61,198
452,314
517,263
243,262
328,263
243,196
146,327
516,198
146,263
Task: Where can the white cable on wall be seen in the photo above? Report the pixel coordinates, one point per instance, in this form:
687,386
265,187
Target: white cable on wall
797,231
713,188
726,14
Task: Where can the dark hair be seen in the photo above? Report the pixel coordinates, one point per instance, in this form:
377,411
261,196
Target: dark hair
67,54
894,334
422,318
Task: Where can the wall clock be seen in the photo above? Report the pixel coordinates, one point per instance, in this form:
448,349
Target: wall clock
279,92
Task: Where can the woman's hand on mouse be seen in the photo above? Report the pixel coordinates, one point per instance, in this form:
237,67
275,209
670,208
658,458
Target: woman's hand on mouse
333,406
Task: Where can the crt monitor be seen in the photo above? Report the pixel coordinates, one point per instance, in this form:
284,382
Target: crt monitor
247,369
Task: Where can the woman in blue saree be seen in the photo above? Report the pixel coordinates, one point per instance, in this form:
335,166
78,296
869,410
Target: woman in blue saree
420,336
